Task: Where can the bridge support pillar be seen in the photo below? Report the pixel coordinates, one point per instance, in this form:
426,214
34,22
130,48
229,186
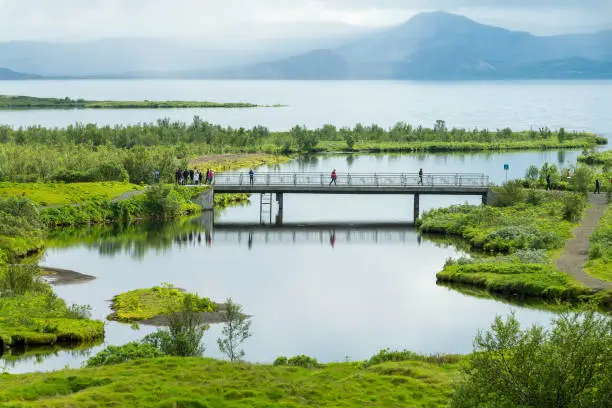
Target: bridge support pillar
416,207
279,200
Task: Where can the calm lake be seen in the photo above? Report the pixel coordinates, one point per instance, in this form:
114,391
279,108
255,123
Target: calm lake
333,292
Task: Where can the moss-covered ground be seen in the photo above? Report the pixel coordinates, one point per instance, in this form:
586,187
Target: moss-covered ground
142,304
53,194
197,382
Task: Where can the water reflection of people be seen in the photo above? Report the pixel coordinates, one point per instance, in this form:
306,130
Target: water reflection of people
332,239
208,238
250,240
419,239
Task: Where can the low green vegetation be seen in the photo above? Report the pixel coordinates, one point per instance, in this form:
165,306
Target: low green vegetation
20,229
567,365
515,241
53,194
143,304
197,382
603,158
580,179
132,153
31,102
600,250
32,315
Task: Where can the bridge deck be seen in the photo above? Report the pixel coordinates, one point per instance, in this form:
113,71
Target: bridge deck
319,183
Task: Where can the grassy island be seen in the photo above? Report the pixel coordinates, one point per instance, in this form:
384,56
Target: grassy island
515,242
144,304
31,102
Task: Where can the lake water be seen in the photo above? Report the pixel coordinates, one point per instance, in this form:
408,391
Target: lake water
582,105
332,292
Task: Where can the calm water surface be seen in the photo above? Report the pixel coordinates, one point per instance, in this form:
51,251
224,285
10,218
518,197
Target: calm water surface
582,105
373,288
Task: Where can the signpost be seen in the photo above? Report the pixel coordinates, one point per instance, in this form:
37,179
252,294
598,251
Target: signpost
506,167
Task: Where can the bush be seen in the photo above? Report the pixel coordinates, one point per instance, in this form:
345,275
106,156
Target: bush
510,193
573,207
569,365
297,361
120,354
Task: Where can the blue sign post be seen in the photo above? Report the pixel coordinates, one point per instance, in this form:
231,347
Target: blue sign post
506,167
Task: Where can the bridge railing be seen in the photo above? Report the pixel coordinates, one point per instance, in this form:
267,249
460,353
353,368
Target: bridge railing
353,179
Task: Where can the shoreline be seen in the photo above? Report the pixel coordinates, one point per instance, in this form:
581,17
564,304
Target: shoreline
59,276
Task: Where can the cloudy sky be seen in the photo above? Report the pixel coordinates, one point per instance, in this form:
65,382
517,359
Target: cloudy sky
233,20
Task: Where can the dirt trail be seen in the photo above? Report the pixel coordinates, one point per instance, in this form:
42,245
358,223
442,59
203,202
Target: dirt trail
576,251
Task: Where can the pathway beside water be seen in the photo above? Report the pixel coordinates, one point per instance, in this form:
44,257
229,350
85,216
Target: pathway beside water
576,252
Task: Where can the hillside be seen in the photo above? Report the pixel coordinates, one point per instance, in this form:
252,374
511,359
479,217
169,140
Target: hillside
7,74
440,45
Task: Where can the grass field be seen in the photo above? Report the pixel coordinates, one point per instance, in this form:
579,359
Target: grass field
51,194
196,382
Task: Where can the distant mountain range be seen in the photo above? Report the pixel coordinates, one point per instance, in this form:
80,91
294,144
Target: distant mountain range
430,46
8,74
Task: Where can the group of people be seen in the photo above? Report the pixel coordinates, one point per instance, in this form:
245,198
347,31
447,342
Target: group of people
193,176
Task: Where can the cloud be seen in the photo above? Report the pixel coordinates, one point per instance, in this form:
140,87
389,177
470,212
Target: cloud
231,20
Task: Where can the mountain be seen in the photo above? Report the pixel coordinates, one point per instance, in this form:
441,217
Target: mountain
441,45
8,74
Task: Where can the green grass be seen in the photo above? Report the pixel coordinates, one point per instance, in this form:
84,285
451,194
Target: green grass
31,102
598,158
142,304
53,194
514,248
552,142
197,382
600,251
237,161
35,319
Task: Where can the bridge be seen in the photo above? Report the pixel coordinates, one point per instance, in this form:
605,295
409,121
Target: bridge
278,183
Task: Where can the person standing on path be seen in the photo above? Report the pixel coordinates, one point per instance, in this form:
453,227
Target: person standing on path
156,176
196,177
548,186
334,176
191,174
177,175
420,177
597,186
186,177
251,175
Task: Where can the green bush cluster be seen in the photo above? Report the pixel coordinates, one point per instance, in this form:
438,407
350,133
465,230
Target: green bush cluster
121,354
20,228
93,153
387,355
297,361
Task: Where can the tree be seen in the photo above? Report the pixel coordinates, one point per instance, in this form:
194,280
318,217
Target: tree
440,126
235,332
569,365
581,181
533,173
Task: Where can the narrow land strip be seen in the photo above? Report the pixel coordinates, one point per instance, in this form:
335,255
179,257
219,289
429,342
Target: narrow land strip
576,251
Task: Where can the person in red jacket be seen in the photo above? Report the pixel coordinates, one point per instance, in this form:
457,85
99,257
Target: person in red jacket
334,177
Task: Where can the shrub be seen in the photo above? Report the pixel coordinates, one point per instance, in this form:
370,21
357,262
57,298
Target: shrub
510,193
303,361
121,354
280,361
573,206
569,365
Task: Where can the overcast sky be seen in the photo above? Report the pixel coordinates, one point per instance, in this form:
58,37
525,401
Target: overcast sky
233,20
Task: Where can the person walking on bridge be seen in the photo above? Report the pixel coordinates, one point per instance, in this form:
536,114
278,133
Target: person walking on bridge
334,177
420,177
251,176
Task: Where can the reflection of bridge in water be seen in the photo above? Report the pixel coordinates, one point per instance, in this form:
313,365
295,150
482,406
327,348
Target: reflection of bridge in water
321,233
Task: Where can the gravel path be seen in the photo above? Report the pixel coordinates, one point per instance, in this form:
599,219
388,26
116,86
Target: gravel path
576,252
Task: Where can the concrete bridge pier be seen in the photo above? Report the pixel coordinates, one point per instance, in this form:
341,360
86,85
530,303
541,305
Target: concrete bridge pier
416,207
279,216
